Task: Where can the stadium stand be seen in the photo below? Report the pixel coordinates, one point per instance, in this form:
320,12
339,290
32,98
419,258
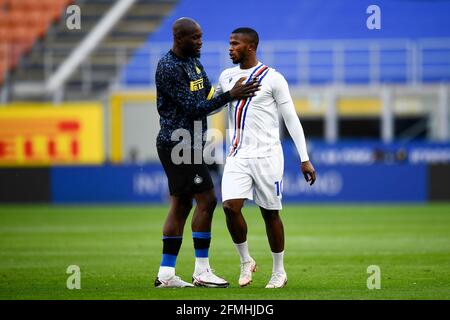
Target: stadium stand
412,46
374,103
94,77
22,23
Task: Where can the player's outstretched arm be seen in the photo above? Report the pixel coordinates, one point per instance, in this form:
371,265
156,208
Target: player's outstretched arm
243,90
170,82
240,90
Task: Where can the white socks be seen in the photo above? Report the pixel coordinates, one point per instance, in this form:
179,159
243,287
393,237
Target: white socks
201,264
165,273
278,264
242,249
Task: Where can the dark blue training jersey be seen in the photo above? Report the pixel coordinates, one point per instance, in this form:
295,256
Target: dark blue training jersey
184,95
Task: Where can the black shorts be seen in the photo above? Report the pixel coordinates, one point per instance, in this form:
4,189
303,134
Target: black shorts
185,179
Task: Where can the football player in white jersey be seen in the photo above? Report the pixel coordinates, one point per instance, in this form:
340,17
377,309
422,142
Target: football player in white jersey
254,165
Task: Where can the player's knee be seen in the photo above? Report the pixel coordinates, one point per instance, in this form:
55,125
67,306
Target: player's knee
208,205
270,215
231,208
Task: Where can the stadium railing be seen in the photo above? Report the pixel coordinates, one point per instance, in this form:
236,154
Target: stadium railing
321,62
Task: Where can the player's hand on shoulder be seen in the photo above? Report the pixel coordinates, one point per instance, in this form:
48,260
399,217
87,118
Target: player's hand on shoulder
243,90
308,172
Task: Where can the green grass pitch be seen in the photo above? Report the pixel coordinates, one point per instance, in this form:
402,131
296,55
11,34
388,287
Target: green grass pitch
328,250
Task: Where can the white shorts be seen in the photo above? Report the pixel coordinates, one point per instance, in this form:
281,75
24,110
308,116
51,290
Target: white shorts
259,179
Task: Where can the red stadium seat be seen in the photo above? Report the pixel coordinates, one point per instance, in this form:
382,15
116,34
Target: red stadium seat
15,5
22,22
38,22
3,20
3,62
2,76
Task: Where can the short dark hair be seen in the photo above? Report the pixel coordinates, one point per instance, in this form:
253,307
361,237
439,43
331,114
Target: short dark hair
250,32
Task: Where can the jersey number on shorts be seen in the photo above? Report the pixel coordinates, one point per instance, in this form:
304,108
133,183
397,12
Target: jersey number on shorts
279,188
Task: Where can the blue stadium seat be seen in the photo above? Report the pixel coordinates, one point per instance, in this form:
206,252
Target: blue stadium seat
339,46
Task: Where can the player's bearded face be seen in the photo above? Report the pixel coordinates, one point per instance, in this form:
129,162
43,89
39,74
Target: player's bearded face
192,43
238,48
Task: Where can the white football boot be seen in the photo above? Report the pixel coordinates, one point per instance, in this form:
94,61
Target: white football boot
208,279
278,280
173,282
247,268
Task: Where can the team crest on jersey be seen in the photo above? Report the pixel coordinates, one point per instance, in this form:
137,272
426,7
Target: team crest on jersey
198,179
198,70
197,85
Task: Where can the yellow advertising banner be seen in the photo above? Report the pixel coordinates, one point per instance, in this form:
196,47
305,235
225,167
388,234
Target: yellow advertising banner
44,134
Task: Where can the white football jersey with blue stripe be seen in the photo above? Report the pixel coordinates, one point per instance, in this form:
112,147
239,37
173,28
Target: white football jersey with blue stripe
253,123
